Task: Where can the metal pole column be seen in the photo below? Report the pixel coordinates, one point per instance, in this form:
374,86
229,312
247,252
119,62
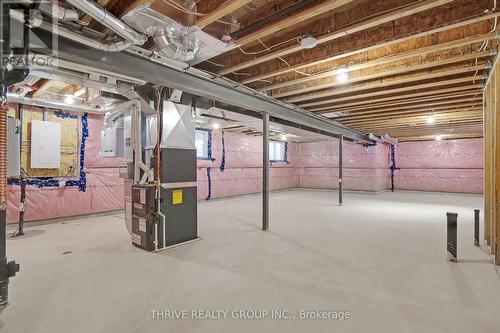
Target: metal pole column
476,227
341,162
265,171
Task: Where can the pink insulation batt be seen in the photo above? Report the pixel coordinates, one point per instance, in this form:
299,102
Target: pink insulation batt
445,166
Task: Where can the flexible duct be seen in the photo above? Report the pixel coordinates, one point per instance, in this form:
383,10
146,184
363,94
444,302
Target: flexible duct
62,14
173,40
175,46
109,20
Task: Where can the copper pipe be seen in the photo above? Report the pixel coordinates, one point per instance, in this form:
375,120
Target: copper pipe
3,154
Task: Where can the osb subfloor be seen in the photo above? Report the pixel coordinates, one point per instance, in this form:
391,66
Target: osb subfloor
381,257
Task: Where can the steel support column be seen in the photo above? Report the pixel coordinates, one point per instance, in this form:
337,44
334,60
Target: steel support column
341,162
265,171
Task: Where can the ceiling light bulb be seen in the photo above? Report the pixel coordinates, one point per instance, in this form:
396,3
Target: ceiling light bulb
283,137
69,99
215,126
430,120
342,75
438,138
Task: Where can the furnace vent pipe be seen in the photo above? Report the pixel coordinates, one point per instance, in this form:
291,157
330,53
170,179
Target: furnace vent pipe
109,20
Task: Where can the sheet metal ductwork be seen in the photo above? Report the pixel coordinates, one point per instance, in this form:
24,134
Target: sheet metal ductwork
172,39
109,20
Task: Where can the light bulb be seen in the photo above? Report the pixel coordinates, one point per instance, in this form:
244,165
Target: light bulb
438,138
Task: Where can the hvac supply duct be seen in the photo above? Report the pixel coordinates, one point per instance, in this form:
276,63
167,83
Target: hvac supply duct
62,14
172,39
109,20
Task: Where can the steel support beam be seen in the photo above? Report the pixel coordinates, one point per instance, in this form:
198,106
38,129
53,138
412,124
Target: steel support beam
265,171
197,83
341,166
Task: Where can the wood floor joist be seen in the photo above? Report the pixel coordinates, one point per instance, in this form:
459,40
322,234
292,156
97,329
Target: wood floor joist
382,74
422,110
462,135
291,20
417,103
356,27
387,83
226,8
456,113
434,94
393,58
346,54
445,124
467,79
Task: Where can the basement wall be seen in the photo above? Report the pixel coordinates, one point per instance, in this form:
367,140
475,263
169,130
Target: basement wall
241,172
444,166
104,190
441,166
365,168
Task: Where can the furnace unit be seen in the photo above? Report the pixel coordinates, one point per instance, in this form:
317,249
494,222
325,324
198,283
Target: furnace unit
178,193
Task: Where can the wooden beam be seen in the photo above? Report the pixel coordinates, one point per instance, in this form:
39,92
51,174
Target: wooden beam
413,128
472,78
423,110
393,58
353,28
487,162
444,137
382,74
391,119
395,106
380,45
226,8
434,94
495,136
291,20
388,83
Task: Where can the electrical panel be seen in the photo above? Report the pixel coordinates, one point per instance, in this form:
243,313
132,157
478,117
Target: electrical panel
112,142
13,148
45,145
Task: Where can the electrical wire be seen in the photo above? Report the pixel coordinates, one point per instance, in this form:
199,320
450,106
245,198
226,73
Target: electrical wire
179,7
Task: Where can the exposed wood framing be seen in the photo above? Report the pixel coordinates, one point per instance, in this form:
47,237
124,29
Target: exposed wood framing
467,79
225,9
291,20
383,74
356,27
376,46
393,58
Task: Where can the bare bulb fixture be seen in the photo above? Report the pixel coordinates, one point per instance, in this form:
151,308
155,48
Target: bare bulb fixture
69,99
215,126
430,120
342,75
438,138
283,137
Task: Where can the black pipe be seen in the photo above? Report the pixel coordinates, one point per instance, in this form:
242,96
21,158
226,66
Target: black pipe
476,227
452,235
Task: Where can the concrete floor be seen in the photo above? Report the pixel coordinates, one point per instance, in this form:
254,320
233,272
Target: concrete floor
380,257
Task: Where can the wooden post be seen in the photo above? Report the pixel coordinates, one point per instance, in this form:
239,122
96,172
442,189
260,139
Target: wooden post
495,230
494,154
487,159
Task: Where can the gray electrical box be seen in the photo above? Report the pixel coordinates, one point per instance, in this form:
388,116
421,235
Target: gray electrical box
13,148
